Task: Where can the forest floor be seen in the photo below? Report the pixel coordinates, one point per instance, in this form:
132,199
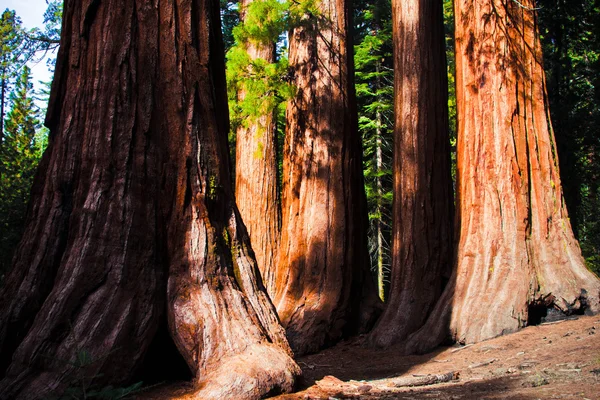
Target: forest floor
559,360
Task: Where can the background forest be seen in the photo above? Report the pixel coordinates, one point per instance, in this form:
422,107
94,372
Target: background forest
570,32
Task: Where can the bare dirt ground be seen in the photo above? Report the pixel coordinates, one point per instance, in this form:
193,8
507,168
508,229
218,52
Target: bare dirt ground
559,360
552,361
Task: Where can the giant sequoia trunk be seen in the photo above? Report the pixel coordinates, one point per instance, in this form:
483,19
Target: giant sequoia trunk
322,268
422,229
133,221
256,186
517,253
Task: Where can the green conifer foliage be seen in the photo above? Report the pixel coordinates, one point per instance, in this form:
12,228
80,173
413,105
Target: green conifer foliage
570,32
451,65
19,156
11,40
264,83
374,89
230,18
40,42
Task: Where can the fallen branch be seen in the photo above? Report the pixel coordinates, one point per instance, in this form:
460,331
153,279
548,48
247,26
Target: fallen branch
419,380
333,384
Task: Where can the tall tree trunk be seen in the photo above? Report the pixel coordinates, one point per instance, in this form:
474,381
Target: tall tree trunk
323,265
516,250
422,230
2,106
133,213
256,182
381,273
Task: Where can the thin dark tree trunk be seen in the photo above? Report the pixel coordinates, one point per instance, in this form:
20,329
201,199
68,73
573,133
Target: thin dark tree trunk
133,214
322,274
422,230
2,108
256,186
516,251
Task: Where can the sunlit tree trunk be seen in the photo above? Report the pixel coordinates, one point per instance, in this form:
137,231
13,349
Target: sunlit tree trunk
256,186
517,253
422,230
322,270
381,272
133,221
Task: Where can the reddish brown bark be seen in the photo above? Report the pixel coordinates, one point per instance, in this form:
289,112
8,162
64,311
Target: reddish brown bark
516,246
422,230
322,268
256,186
133,212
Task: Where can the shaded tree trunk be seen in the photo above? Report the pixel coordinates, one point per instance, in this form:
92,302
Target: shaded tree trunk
133,213
516,253
322,272
379,207
3,88
422,230
256,181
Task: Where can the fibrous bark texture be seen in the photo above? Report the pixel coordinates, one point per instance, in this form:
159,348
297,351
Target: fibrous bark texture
516,248
133,213
321,276
423,203
256,181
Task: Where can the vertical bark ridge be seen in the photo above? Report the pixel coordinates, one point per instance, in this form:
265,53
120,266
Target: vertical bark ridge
84,276
516,247
135,208
422,232
256,183
322,271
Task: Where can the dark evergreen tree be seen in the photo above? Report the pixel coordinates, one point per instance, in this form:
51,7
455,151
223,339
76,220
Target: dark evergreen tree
570,32
19,156
374,92
230,18
11,40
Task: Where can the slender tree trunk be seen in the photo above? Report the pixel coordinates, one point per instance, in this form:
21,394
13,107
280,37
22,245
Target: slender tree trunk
2,107
516,251
256,185
378,229
323,262
422,230
133,213
379,188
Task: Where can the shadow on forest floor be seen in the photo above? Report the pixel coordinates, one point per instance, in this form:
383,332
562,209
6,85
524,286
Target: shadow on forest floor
555,360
